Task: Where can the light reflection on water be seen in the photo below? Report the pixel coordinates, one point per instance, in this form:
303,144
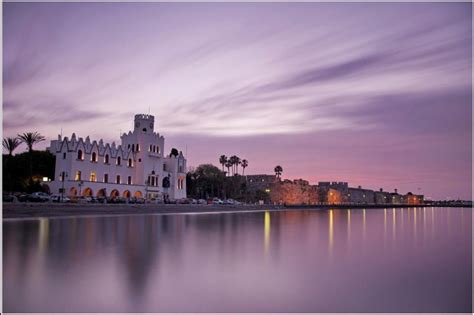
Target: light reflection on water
312,261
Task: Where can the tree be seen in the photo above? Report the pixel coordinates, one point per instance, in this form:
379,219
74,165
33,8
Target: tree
17,177
245,163
206,181
228,164
31,138
223,161
235,160
10,144
174,152
238,161
278,171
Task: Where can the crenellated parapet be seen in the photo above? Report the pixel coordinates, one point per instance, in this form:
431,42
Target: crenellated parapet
74,144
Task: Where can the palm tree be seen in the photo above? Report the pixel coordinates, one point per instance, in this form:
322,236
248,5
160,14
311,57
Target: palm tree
31,138
10,144
238,161
232,163
223,161
228,164
278,171
245,163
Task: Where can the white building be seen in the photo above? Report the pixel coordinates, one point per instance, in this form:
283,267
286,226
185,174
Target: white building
137,167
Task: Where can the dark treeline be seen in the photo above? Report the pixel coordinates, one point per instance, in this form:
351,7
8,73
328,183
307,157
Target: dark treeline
19,177
207,181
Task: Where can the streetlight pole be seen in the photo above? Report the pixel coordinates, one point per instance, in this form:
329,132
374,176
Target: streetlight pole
62,186
80,187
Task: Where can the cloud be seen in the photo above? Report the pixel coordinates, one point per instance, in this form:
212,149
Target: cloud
21,115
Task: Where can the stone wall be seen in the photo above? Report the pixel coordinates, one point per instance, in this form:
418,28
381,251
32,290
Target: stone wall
293,193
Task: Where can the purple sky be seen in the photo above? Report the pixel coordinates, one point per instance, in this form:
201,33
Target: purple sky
378,95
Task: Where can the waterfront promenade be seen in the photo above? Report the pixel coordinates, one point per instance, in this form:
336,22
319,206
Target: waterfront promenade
41,210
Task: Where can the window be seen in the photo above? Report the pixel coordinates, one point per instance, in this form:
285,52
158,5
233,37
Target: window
180,169
157,149
118,179
93,177
130,164
153,181
164,167
94,157
138,148
64,155
106,159
133,148
129,180
78,176
106,178
119,161
80,155
150,149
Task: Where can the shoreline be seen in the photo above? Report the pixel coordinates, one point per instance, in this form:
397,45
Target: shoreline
21,211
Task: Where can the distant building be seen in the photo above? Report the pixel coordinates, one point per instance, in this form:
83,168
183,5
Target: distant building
361,196
341,193
260,182
333,192
412,199
382,197
136,167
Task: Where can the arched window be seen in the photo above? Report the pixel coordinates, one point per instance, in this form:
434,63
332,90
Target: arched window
93,177
154,148
157,149
94,157
106,159
130,163
151,148
64,155
119,160
78,176
79,155
138,147
133,148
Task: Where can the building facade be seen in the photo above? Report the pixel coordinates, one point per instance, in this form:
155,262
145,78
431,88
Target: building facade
138,167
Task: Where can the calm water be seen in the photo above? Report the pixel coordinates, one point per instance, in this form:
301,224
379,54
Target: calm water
393,260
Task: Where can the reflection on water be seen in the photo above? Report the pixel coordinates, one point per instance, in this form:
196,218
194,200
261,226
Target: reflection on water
267,230
331,231
313,261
